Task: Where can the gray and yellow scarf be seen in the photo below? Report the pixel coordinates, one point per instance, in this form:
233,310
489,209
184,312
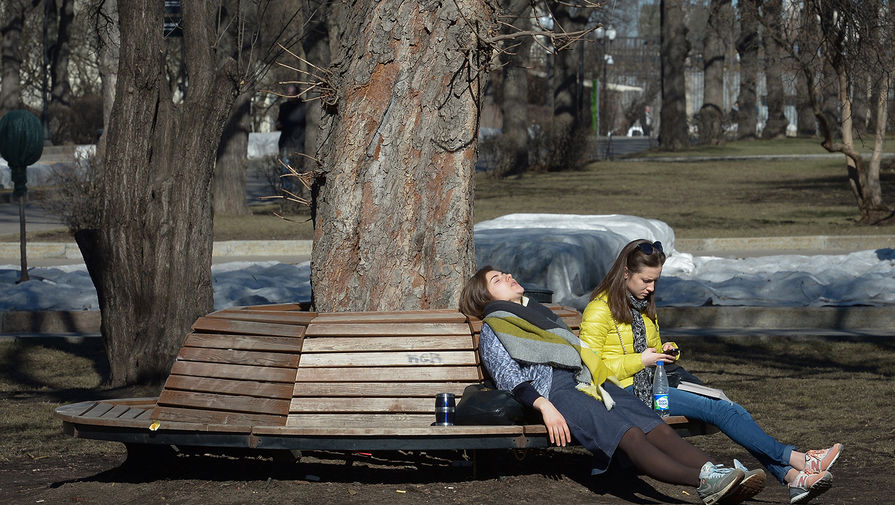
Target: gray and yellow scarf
534,334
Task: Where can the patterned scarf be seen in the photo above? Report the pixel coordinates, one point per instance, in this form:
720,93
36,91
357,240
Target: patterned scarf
643,387
534,334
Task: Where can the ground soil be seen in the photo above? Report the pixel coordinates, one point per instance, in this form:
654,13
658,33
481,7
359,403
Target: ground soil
807,391
544,477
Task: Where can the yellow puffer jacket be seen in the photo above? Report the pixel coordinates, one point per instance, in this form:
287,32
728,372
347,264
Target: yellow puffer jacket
615,343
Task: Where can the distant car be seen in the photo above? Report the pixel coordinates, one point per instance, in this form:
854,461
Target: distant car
635,131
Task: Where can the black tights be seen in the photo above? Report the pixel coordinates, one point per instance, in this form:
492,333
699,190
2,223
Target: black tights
663,455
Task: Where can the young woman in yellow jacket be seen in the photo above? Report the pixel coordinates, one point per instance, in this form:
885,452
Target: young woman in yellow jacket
620,324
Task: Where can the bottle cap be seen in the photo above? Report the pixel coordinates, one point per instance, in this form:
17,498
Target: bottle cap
660,363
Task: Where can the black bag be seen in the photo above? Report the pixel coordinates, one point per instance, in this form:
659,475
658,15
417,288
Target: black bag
481,405
677,373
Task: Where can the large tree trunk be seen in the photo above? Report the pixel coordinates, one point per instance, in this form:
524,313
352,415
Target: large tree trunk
747,47
232,161
673,131
150,260
776,125
393,224
711,114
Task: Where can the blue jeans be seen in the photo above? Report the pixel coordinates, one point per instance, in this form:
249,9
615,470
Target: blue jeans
736,423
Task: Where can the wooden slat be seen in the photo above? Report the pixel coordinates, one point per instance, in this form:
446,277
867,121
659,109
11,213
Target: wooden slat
226,386
216,417
239,357
136,412
412,316
326,329
422,429
303,307
223,371
220,325
374,389
371,405
98,410
251,342
422,343
116,411
390,374
267,316
375,359
337,422
300,307
209,401
75,409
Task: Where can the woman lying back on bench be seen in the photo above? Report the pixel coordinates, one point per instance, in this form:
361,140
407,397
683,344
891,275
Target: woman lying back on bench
528,350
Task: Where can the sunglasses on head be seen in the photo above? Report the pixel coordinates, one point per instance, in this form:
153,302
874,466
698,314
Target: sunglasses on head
648,248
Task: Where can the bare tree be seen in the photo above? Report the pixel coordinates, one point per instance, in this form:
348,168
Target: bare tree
848,36
514,140
61,19
673,132
775,127
12,22
747,47
711,114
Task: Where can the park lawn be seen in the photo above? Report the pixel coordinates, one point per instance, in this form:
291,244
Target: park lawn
770,147
698,199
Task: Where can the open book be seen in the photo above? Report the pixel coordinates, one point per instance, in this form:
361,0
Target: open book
699,389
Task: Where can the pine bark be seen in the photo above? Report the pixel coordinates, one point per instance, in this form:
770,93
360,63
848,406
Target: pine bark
393,217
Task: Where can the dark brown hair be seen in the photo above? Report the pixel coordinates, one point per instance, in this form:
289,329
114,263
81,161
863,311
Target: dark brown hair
475,294
634,258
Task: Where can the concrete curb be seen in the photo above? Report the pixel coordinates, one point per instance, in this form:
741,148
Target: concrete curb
232,248
777,318
824,243
241,248
674,320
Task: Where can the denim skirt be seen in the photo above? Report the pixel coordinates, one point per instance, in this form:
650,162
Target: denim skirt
599,430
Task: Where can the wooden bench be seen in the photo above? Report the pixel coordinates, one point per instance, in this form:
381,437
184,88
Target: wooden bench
278,377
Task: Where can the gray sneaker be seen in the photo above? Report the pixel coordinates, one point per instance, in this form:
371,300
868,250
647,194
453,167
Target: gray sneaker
752,484
807,486
717,481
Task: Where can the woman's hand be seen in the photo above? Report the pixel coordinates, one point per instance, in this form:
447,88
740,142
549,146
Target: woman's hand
557,429
649,357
